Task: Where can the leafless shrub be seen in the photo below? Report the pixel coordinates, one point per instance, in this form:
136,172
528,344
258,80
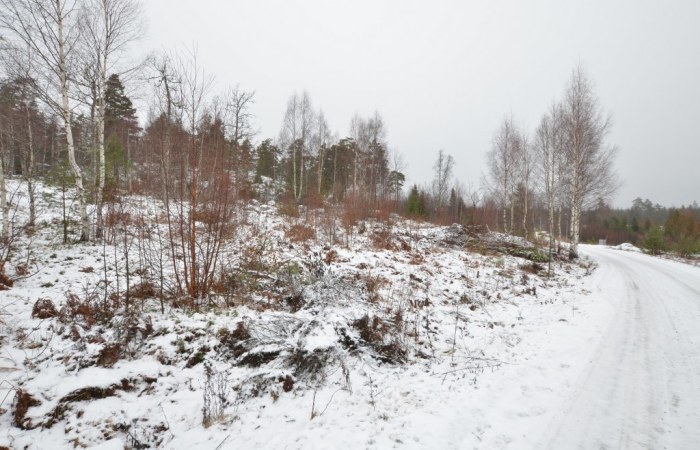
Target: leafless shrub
215,398
22,270
90,309
381,239
44,308
143,290
331,257
379,335
300,233
109,355
233,341
311,366
373,284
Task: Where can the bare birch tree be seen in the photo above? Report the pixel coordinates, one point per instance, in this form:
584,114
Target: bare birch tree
549,151
321,140
17,63
589,158
503,164
4,208
108,27
526,163
295,136
443,167
49,29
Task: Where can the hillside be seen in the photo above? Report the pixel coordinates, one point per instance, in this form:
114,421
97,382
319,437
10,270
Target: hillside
305,338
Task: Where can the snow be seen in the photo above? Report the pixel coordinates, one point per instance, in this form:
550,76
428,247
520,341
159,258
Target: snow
627,247
496,357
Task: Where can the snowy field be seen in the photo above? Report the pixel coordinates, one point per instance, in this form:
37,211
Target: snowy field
408,336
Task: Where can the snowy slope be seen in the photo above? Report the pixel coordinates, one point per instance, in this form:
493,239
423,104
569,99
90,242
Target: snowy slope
463,349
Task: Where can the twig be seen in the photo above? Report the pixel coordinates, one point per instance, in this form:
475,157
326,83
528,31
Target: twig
313,407
330,400
222,442
168,423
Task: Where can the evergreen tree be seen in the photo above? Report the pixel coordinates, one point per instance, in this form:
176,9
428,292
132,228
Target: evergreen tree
119,109
415,204
267,160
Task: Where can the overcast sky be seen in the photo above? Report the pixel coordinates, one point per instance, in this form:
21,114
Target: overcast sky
443,74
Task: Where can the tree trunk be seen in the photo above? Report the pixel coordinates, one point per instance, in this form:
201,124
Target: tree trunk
3,194
525,213
320,167
29,174
70,146
294,171
100,161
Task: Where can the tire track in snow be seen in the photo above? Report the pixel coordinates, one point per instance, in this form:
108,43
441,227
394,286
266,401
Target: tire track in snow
643,387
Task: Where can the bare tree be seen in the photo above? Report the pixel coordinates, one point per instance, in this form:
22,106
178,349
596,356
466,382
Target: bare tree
196,85
396,176
549,151
359,136
295,136
238,103
321,139
503,165
589,159
17,63
526,164
108,28
49,29
5,232
376,157
443,167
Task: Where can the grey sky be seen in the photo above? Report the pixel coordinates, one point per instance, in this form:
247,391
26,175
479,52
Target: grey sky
443,74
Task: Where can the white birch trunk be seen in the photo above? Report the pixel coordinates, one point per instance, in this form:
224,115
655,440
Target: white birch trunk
3,199
66,115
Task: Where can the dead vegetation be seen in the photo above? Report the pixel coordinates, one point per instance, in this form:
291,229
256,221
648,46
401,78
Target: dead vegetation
23,401
44,308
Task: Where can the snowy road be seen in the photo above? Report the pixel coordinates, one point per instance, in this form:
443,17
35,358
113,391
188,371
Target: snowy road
641,388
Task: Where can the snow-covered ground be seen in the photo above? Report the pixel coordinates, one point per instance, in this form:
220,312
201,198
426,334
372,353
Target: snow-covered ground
401,339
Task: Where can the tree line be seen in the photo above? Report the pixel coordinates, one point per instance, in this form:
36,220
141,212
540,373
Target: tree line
564,168
66,115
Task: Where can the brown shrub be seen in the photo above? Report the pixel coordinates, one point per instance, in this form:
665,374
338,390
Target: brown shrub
5,281
381,239
44,308
288,206
287,383
372,284
23,401
90,309
371,330
533,268
257,359
378,334
109,355
22,270
233,341
143,291
115,217
331,257
81,395
299,233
